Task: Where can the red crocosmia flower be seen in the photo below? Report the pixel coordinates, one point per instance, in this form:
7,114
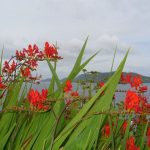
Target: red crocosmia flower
148,132
122,77
37,100
132,101
26,72
143,89
9,68
130,144
20,55
101,84
126,78
106,130
40,55
124,126
33,96
13,66
32,50
68,86
74,94
44,94
50,51
2,86
136,82
32,63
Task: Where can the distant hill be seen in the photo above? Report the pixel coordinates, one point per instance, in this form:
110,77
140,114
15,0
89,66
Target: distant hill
97,76
46,80
101,76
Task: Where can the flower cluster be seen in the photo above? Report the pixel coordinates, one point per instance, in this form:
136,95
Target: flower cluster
135,100
38,100
132,101
134,81
68,86
126,78
25,61
69,93
2,85
9,68
51,51
106,130
130,144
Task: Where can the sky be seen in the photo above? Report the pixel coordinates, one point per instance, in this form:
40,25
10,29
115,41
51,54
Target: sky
108,23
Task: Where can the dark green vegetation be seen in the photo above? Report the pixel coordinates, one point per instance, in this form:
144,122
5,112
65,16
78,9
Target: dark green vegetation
102,76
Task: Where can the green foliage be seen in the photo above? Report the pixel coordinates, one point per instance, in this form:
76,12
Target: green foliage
39,130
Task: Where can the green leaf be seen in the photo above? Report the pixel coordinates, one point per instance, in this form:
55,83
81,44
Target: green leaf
79,68
79,59
52,82
4,139
58,83
11,100
143,137
126,133
113,60
97,103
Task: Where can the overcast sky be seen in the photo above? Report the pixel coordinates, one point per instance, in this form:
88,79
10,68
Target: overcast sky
109,23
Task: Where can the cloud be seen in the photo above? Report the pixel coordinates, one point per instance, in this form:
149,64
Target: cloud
109,23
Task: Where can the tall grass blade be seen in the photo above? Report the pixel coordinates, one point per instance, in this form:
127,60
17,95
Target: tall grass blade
95,104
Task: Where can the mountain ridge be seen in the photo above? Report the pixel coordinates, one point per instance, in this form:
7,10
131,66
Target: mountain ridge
100,76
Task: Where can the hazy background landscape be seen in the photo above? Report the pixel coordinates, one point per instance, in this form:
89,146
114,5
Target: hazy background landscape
109,23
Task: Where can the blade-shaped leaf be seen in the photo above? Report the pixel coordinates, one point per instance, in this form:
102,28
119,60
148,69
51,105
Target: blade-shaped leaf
95,104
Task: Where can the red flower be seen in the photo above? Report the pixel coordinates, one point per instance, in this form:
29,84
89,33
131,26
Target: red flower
68,86
106,130
143,89
32,63
126,79
44,94
122,77
50,51
101,84
74,94
40,55
2,86
37,100
130,144
32,50
13,66
137,81
132,101
20,55
9,68
26,72
124,126
148,132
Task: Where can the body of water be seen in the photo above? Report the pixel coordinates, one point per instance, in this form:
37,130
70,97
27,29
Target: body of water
119,95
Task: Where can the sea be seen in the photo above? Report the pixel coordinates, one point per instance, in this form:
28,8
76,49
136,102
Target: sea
119,95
